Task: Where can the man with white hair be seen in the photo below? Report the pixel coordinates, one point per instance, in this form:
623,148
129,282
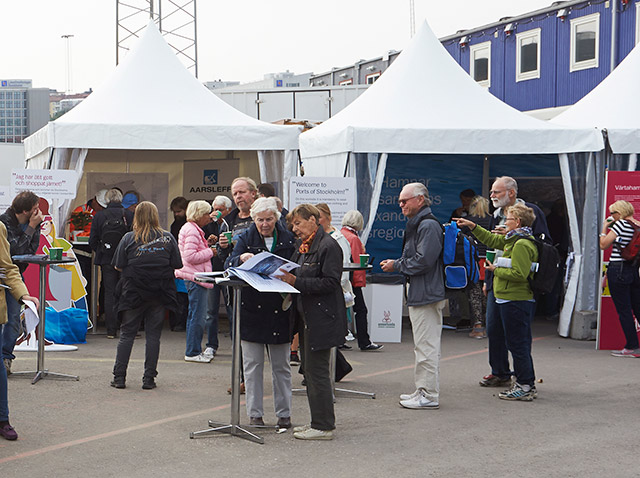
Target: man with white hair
221,209
504,192
421,264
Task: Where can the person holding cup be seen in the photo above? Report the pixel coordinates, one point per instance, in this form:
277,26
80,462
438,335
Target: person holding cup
352,223
514,298
622,276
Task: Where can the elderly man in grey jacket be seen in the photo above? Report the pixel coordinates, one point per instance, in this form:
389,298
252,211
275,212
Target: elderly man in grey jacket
421,264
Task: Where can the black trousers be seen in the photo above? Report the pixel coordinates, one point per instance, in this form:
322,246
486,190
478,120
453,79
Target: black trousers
360,316
110,277
153,317
319,391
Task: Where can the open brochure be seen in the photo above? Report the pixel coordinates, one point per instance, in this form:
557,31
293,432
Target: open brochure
261,272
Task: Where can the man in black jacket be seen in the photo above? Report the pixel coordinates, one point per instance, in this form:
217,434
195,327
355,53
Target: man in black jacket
23,221
107,229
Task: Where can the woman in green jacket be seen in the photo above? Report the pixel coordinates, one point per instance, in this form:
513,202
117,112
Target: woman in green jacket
514,296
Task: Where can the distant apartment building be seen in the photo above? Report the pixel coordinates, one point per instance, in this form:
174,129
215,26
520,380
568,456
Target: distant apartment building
23,110
60,103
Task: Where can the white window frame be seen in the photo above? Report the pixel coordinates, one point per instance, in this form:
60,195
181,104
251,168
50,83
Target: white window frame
586,64
534,74
637,23
472,51
372,78
346,82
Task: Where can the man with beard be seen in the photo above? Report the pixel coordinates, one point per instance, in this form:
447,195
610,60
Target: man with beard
504,192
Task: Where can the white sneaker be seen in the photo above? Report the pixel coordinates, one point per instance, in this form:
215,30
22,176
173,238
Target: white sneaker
409,396
198,358
301,428
313,434
209,352
420,402
349,337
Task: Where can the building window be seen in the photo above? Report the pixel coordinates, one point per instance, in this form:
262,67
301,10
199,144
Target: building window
371,79
346,82
480,68
585,36
528,55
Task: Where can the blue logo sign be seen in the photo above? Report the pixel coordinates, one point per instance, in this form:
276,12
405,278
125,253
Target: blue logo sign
210,176
4,82
278,83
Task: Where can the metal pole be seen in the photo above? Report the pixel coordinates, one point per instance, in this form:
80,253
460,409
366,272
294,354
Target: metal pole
195,36
41,311
614,34
235,361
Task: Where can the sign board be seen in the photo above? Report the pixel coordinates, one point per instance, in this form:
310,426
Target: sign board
338,193
385,312
620,185
209,178
5,198
47,183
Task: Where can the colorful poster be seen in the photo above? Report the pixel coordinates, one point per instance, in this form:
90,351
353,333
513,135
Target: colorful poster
620,185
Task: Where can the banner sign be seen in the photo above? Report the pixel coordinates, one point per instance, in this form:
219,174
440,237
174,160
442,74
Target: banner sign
5,198
47,183
206,179
620,185
338,193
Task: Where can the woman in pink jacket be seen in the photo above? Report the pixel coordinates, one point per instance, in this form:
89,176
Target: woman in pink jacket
196,257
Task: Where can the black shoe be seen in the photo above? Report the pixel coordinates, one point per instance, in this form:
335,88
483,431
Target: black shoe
344,347
148,384
284,422
256,421
372,347
118,382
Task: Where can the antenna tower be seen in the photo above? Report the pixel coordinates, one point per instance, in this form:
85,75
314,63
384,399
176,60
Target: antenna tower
412,18
176,20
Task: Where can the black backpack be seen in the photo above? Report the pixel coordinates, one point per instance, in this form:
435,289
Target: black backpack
544,279
113,229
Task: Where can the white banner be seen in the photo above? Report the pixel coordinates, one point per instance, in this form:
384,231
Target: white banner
47,183
5,198
338,193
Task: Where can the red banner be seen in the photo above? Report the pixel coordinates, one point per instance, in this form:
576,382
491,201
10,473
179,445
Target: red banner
620,185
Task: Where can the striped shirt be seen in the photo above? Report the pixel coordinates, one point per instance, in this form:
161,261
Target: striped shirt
624,230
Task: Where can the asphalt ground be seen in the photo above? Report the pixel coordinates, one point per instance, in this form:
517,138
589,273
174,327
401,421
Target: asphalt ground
583,424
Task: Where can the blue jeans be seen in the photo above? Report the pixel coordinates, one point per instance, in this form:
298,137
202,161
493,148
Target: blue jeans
4,400
196,318
212,314
11,329
624,285
516,319
498,353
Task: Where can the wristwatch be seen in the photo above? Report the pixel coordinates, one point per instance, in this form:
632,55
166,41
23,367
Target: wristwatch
602,234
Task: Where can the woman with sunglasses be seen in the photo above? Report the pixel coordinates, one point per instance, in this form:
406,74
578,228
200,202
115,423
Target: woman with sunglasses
622,276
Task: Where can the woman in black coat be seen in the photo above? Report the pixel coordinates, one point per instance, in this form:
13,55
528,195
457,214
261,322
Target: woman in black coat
319,315
264,322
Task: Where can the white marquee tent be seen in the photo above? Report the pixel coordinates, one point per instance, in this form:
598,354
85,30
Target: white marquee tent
425,103
152,102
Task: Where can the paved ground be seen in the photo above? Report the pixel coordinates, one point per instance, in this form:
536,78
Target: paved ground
583,423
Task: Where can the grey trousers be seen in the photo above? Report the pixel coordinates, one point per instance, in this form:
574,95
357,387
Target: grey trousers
319,392
253,364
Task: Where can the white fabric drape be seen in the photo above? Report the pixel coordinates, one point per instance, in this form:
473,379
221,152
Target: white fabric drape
375,197
278,167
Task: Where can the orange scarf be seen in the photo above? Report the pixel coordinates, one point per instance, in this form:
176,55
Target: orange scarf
306,244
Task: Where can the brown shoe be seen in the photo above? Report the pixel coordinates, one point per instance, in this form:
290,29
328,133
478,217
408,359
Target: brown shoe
242,389
284,422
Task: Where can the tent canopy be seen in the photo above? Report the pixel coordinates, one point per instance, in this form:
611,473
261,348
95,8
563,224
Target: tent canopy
152,102
612,105
425,103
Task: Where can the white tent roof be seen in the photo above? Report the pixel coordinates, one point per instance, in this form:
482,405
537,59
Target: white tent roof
613,104
151,101
426,103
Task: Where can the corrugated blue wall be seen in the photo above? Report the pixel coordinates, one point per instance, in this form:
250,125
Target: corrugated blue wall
557,85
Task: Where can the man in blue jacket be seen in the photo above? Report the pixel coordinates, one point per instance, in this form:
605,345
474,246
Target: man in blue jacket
421,264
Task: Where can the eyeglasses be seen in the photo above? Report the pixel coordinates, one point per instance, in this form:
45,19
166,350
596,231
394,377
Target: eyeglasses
402,202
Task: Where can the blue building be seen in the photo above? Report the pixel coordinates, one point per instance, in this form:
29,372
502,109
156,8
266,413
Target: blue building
548,58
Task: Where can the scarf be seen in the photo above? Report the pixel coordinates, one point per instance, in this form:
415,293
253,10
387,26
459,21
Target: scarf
306,244
521,231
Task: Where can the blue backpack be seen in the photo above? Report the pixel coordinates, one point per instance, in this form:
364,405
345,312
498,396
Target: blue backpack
459,257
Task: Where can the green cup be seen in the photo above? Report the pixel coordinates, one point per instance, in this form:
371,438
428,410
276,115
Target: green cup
364,260
55,253
229,236
491,256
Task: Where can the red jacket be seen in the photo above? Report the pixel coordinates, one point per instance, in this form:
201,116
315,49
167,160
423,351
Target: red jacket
359,277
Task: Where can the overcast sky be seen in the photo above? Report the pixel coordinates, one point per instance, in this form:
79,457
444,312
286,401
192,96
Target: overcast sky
237,40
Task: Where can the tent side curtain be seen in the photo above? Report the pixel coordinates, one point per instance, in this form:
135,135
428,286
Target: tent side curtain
39,161
368,170
582,178
277,168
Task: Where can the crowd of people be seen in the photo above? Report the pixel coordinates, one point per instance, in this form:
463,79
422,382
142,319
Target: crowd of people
148,272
